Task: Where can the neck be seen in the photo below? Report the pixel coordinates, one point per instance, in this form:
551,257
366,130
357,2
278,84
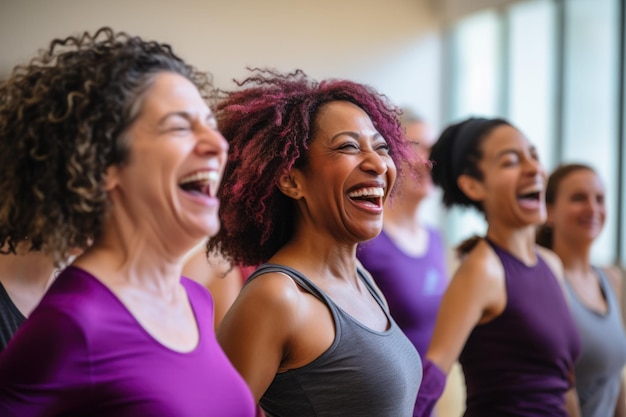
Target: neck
576,257
318,255
33,269
132,254
26,278
402,213
520,242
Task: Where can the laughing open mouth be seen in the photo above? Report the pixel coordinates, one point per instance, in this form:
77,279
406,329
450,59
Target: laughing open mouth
201,182
371,195
532,196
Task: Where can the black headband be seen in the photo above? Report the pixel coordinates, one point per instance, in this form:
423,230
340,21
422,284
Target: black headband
467,139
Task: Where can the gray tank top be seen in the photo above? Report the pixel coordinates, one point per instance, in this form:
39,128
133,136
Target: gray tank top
599,369
363,373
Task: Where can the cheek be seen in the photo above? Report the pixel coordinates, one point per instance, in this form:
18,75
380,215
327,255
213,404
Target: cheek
392,171
570,217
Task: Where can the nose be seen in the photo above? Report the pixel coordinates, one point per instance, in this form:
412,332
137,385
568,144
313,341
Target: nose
210,141
593,204
375,163
532,166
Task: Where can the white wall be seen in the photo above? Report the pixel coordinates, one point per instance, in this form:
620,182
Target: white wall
392,45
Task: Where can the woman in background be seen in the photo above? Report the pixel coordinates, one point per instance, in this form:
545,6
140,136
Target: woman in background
575,200
214,273
504,314
24,278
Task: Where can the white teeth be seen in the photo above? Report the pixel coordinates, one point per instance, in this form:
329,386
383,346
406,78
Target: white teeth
368,192
206,176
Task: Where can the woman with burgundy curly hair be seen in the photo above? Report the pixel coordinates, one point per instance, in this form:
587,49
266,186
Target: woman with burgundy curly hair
109,137
311,165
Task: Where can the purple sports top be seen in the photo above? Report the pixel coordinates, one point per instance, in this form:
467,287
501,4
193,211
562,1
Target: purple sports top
413,286
81,353
522,362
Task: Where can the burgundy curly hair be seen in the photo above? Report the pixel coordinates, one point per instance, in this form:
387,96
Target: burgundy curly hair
269,124
63,121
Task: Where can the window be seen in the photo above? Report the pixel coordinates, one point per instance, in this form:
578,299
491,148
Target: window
552,67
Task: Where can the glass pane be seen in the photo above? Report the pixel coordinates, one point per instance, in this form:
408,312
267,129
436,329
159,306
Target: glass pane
532,69
475,66
591,99
475,70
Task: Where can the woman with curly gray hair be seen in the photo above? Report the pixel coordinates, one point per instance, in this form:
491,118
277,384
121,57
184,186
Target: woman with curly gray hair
107,138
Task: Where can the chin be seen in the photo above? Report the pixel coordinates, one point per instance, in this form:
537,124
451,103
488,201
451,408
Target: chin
212,231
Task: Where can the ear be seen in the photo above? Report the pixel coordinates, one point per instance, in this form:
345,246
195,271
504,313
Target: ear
471,187
111,177
288,184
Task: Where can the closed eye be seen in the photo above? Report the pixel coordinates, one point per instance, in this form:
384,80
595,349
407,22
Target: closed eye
383,147
348,146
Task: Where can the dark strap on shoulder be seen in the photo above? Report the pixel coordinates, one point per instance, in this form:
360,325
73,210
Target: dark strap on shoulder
365,277
310,287
297,276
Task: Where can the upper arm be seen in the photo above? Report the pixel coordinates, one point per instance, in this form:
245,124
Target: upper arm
216,274
225,290
572,405
44,364
255,331
476,294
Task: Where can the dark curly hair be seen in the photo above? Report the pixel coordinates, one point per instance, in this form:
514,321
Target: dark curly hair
544,232
63,119
458,151
269,124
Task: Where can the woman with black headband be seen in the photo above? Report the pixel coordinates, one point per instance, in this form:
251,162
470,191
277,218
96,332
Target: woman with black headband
504,315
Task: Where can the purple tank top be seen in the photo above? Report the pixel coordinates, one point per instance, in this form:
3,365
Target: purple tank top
81,353
413,286
521,363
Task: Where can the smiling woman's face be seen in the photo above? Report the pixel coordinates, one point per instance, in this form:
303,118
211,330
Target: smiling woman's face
176,160
349,173
513,183
579,211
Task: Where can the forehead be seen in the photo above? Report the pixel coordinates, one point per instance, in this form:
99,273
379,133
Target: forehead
420,132
171,92
503,138
581,179
337,116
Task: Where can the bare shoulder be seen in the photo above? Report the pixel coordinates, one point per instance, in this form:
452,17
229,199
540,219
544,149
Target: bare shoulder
481,265
480,278
552,260
203,269
263,312
276,291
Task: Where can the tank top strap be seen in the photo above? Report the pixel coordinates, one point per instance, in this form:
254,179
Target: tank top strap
313,289
606,287
297,276
491,243
501,252
367,280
